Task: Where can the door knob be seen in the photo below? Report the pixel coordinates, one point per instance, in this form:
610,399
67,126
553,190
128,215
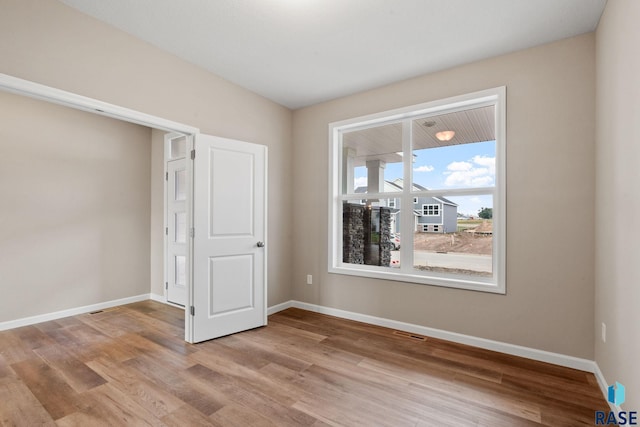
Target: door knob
261,244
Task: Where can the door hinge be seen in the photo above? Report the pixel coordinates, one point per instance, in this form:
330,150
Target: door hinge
166,231
193,311
193,154
166,285
166,176
192,232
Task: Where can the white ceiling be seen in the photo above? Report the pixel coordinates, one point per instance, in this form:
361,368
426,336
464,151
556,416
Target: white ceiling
301,52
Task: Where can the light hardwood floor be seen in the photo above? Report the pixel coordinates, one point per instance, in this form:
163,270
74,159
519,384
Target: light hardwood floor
130,366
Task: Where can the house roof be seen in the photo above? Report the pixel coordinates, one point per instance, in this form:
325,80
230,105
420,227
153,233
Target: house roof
396,186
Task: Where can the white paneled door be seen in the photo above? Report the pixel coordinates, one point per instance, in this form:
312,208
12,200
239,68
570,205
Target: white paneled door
177,232
229,243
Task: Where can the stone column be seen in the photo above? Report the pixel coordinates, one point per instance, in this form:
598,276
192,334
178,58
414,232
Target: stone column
353,233
385,237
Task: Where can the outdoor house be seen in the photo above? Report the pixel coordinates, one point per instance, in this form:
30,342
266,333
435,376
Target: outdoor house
432,214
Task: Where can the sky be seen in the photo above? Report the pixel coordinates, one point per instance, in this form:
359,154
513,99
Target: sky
455,166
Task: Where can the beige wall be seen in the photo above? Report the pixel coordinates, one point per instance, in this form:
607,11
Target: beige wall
74,217
550,175
50,43
618,196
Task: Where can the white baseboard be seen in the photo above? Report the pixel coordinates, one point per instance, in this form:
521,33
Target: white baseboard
157,297
279,307
163,299
10,324
602,382
502,347
604,387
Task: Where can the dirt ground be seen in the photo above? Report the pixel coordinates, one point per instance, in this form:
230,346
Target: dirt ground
468,242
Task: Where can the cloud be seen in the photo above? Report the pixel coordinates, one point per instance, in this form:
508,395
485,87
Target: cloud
479,172
459,166
426,168
488,162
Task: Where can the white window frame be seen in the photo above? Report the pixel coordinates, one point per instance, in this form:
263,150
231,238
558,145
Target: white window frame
406,273
435,207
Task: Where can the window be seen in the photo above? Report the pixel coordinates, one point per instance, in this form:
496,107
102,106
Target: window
431,228
443,159
431,210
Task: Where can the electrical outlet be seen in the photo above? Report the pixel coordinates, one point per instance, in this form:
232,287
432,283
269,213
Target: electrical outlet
604,332
309,279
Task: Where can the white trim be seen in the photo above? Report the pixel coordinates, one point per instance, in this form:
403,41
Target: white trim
10,324
452,104
604,388
497,282
502,347
433,210
188,318
46,93
158,298
279,307
162,299
168,139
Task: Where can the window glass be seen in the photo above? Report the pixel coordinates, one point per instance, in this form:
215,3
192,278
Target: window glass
461,242
454,150
372,159
367,232
446,226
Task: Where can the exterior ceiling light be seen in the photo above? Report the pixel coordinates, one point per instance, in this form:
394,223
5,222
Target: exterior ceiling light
445,135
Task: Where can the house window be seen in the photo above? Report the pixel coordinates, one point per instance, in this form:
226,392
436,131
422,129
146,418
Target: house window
431,210
449,155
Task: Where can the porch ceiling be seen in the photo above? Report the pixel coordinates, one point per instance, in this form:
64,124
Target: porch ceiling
385,142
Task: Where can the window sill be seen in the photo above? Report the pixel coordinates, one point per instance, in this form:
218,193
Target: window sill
433,279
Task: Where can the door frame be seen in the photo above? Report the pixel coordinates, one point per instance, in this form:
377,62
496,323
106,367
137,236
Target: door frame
167,158
35,90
